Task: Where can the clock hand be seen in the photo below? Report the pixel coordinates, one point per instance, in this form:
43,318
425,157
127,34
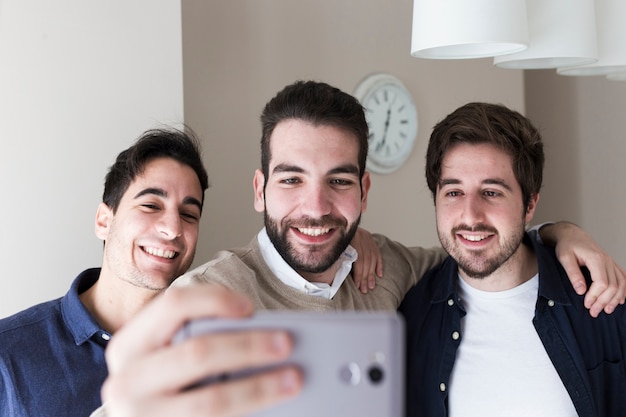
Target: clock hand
382,142
387,121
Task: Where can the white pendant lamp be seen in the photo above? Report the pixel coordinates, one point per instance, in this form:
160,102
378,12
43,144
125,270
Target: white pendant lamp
617,76
611,33
460,29
561,33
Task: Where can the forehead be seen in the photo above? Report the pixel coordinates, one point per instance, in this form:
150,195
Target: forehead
169,175
465,161
299,142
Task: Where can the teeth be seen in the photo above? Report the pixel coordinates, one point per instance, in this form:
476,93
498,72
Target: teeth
313,232
168,254
473,238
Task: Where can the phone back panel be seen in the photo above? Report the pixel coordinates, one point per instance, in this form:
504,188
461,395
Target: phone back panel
353,362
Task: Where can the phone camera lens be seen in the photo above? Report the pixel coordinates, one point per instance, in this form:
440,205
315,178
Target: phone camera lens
376,374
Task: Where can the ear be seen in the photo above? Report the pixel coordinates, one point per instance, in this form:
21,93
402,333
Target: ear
532,205
258,184
366,182
104,216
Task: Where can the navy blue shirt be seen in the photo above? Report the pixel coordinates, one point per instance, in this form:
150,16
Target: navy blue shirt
588,354
52,357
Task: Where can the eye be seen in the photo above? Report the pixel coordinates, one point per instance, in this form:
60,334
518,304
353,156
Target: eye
290,181
150,206
489,193
453,194
341,182
190,217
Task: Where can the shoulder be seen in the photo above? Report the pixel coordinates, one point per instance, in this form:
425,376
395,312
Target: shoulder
32,316
20,332
227,267
436,285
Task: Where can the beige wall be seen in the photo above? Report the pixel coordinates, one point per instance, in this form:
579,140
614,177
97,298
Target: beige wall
582,121
238,54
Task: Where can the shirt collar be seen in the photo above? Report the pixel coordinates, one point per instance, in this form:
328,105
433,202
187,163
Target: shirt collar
76,317
290,277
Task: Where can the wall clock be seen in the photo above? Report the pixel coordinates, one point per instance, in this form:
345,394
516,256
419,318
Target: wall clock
392,120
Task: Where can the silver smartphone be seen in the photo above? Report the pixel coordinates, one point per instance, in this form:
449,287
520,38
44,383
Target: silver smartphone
353,362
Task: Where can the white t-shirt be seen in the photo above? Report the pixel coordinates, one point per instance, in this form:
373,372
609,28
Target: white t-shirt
502,368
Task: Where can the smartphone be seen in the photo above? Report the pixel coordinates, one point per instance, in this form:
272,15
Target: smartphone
352,362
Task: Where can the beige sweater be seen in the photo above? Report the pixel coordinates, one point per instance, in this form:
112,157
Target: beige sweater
245,271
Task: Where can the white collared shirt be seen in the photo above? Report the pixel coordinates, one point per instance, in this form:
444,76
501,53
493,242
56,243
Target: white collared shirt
290,277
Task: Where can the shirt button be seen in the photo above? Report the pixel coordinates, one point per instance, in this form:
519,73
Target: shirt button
455,335
442,387
450,302
551,303
106,336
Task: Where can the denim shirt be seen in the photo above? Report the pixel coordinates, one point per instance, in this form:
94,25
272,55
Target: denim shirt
587,353
52,357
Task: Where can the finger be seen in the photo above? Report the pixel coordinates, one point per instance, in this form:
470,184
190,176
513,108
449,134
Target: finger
379,264
357,273
619,280
182,365
604,292
575,275
601,296
156,324
233,399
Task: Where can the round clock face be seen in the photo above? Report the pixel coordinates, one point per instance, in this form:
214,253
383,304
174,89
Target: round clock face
392,120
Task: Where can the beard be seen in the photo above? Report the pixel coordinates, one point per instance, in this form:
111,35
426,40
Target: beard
317,258
479,264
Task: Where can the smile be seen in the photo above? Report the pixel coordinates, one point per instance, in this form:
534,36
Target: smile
474,238
167,254
309,231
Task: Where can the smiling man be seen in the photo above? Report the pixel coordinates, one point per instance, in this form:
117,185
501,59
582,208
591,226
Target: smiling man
312,189
497,329
52,354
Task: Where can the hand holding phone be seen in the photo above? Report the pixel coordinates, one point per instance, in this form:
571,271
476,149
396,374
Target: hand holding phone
352,362
149,376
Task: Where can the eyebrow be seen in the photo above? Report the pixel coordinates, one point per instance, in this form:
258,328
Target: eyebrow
159,192
342,169
488,181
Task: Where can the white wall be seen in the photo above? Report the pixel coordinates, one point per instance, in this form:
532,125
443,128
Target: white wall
79,81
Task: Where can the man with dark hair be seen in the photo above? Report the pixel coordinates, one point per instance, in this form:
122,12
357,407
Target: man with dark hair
52,354
497,329
312,189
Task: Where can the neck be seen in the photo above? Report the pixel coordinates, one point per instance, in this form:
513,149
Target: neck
113,303
518,269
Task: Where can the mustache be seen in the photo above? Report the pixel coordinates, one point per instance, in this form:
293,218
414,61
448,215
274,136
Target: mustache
324,221
480,227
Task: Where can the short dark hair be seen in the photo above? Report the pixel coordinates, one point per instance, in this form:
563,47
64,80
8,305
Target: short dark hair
477,123
317,103
166,142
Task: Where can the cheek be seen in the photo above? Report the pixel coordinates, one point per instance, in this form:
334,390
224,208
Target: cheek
278,203
191,235
350,206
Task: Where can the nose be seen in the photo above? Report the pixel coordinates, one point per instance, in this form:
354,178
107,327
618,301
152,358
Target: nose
316,201
473,209
169,225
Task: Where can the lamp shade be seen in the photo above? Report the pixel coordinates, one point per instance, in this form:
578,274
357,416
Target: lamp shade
611,33
459,29
617,76
561,33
